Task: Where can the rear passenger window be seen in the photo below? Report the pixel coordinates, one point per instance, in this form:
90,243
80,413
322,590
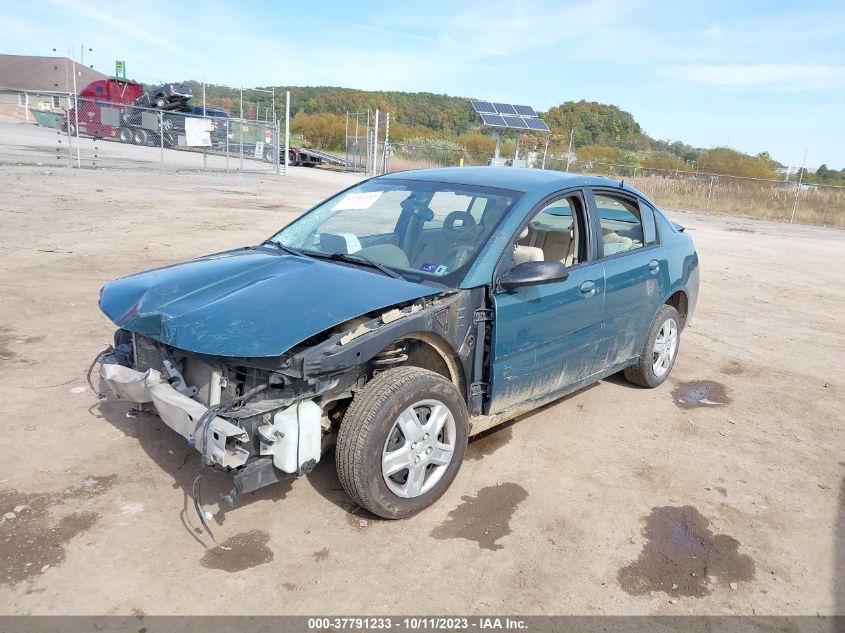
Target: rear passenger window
621,224
649,229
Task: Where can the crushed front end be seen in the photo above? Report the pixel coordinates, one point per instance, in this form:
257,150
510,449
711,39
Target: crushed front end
261,424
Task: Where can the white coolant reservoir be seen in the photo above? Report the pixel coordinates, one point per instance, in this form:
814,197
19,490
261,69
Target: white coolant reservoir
299,432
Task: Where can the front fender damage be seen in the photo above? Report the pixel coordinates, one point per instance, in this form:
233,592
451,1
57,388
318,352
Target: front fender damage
264,420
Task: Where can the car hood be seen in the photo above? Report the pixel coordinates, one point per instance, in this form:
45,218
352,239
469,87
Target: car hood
248,303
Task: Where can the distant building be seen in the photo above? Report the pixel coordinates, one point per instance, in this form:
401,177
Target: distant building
28,81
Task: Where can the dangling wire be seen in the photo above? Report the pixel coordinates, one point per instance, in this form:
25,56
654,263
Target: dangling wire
96,360
204,423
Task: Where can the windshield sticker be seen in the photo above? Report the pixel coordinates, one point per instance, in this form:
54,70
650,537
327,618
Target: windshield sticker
360,200
435,269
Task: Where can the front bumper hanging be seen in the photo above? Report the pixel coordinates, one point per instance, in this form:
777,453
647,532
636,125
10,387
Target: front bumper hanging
228,445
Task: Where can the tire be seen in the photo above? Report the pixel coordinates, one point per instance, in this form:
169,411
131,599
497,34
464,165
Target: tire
647,372
161,102
124,135
140,137
371,431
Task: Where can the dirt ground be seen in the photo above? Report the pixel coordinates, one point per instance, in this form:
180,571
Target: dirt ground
720,492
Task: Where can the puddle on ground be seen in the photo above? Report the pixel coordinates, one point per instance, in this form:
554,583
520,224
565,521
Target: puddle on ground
321,555
242,551
682,556
8,339
488,442
733,368
33,541
484,518
700,393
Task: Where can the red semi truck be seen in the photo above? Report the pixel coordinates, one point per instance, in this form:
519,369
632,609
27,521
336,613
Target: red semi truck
100,106
114,108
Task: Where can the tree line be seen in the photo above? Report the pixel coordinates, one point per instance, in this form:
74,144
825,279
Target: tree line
599,132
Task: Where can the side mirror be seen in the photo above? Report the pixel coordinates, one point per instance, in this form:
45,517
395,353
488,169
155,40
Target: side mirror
533,273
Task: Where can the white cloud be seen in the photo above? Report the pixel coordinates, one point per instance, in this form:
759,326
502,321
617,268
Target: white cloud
713,33
790,76
128,28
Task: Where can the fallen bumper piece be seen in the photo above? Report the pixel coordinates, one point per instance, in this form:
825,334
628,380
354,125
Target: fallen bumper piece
179,412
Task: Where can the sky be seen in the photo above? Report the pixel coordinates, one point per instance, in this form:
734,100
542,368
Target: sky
755,76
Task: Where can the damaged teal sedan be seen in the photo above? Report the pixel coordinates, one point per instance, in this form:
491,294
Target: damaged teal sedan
398,318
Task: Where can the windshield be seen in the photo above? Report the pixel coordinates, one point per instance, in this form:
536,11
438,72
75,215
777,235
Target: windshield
421,230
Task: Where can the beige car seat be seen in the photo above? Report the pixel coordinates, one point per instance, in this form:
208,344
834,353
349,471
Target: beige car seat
522,254
615,243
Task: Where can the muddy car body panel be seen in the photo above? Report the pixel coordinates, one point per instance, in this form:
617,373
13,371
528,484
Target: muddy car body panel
507,288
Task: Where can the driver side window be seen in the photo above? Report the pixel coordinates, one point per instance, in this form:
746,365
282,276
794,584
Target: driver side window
553,234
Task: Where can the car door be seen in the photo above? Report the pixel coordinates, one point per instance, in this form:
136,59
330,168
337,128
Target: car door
545,336
635,269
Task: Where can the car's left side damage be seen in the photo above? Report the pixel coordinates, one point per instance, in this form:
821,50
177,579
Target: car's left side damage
264,419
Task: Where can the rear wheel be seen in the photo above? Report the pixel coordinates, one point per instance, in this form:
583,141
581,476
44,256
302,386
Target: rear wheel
124,135
161,102
140,137
659,351
402,441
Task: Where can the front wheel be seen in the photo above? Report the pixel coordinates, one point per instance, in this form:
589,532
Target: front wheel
402,441
660,350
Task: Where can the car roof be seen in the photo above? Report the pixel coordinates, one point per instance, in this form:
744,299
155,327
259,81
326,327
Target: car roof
513,178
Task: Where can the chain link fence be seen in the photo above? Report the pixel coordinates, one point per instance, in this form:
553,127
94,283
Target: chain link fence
730,195
96,133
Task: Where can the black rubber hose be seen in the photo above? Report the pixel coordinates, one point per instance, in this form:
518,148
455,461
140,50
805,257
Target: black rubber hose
96,360
205,422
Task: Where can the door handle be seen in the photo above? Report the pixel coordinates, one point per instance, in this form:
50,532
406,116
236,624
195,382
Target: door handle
588,288
654,265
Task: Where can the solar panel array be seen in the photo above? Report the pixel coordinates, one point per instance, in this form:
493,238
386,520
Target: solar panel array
514,117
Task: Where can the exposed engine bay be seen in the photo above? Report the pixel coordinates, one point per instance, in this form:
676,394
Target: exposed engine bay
271,418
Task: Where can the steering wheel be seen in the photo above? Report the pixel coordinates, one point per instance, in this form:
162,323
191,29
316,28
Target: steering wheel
459,256
454,231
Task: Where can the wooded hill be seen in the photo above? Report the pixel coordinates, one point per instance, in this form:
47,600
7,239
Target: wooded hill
601,132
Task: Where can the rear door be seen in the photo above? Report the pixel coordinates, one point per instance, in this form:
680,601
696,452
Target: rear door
635,270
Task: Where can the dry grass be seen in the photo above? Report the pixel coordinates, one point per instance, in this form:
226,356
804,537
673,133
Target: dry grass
741,197
747,198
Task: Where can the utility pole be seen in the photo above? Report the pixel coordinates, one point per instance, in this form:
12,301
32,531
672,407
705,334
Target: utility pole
241,124
204,150
374,161
545,150
76,110
569,151
287,130
386,141
798,188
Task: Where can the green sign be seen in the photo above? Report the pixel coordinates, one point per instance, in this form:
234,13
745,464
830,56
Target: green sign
120,68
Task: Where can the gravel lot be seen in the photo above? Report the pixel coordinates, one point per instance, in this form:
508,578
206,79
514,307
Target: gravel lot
616,500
